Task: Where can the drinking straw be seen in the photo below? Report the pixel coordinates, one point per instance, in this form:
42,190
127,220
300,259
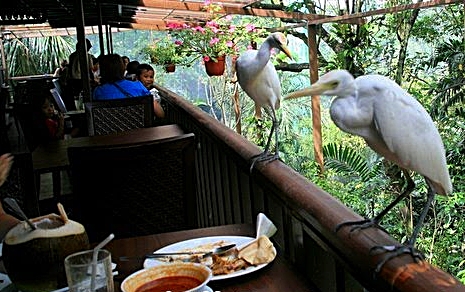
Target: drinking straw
94,259
63,215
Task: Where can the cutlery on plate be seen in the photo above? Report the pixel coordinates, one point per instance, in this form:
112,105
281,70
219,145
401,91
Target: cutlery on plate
217,251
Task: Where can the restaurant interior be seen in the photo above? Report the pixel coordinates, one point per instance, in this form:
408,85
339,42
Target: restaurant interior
186,176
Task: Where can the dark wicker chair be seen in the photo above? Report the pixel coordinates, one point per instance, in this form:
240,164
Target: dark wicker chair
133,190
119,115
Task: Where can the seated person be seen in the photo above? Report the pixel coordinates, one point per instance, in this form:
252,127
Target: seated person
112,82
95,81
48,124
126,61
131,70
145,74
61,69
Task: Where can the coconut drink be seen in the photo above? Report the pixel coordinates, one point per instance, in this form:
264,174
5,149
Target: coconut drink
34,259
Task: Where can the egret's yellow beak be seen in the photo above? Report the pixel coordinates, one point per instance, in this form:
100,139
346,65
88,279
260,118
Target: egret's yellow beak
286,51
315,89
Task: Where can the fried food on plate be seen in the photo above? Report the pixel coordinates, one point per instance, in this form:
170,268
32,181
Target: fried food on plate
259,251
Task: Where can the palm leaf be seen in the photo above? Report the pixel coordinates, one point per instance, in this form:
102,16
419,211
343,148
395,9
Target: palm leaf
32,56
347,160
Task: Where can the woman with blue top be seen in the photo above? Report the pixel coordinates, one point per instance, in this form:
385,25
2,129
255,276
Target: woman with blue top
113,84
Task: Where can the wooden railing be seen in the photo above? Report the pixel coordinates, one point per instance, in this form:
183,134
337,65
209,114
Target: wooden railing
305,215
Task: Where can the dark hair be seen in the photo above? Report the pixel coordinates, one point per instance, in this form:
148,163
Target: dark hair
40,131
143,67
88,44
131,67
39,99
111,68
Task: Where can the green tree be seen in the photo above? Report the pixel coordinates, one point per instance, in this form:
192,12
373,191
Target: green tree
32,56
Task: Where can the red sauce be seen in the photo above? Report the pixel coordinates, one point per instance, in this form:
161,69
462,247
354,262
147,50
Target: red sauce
173,284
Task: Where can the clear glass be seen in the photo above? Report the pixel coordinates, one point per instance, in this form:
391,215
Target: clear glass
78,267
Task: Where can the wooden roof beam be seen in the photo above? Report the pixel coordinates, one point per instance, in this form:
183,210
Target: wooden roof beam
154,25
396,9
231,7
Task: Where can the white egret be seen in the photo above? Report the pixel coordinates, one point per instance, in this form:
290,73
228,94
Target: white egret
396,126
258,78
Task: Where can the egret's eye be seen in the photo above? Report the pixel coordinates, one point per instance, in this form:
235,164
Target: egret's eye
334,84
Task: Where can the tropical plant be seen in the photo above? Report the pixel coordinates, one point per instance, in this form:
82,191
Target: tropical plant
215,38
349,161
164,51
32,56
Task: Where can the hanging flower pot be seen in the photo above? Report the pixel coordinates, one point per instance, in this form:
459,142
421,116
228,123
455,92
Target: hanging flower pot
215,68
170,68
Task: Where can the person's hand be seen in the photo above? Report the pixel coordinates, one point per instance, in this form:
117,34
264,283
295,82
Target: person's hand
6,220
6,160
61,118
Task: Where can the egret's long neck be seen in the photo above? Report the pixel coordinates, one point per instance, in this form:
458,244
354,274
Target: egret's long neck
263,54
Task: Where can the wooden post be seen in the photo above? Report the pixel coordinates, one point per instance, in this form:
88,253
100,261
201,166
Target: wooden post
100,29
316,113
82,52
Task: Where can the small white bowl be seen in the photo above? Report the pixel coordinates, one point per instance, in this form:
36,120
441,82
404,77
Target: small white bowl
194,270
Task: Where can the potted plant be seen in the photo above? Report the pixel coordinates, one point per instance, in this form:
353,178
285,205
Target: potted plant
215,39
165,53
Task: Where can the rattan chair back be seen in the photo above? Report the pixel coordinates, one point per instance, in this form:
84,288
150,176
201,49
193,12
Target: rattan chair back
133,190
118,115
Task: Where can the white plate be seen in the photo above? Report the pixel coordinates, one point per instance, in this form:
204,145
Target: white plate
182,245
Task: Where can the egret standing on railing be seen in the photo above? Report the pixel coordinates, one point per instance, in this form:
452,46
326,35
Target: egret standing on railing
396,126
258,78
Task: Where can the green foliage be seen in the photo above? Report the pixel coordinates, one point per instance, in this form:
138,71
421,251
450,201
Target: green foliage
449,90
443,234
164,51
347,160
21,61
36,55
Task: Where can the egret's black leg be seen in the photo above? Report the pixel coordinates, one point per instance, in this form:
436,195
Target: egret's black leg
268,141
276,138
363,224
265,155
409,248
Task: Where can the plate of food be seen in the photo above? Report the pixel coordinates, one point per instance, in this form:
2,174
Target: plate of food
238,261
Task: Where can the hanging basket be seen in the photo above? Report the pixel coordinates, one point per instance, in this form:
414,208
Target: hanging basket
215,68
170,68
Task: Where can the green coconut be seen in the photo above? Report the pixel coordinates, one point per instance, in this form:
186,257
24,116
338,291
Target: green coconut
34,259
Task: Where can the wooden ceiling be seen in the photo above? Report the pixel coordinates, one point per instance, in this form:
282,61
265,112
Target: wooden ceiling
39,15
35,18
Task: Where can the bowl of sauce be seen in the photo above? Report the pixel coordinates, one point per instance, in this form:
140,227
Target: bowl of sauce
174,277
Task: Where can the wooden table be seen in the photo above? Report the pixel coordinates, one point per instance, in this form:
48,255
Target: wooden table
53,157
278,276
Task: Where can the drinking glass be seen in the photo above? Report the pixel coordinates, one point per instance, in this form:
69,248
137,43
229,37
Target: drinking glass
78,267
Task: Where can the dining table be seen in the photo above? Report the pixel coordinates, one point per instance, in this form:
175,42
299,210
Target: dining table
277,276
52,157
